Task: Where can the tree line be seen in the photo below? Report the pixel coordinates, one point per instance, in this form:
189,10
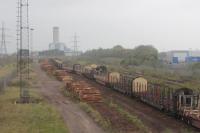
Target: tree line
140,55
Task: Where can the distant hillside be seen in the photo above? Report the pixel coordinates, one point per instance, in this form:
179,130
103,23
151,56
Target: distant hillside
141,55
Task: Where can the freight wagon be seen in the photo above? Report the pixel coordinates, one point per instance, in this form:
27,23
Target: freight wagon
184,103
89,71
159,96
108,79
57,63
101,75
77,68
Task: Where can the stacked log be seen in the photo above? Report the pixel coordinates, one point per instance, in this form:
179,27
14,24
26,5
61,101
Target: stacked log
81,89
46,66
60,74
78,87
90,94
84,92
67,78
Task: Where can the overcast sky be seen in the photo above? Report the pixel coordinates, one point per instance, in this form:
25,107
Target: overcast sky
165,24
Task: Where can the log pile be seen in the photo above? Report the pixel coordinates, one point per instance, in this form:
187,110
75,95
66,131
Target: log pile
46,66
67,79
84,92
60,74
90,94
81,89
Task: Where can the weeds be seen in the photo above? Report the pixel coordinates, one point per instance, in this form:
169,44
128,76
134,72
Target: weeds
70,95
6,70
30,118
27,118
132,118
105,124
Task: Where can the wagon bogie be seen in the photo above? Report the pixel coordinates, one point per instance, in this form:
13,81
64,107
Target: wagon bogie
186,105
77,68
195,123
101,79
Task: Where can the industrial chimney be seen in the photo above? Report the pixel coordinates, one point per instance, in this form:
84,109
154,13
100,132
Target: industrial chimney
55,34
56,44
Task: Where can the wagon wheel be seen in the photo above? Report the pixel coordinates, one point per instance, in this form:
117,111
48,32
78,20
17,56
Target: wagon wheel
182,118
189,121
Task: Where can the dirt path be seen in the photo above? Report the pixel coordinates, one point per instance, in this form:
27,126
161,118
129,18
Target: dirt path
76,120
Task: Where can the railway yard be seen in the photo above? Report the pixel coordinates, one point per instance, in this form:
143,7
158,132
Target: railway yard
66,98
99,66
118,112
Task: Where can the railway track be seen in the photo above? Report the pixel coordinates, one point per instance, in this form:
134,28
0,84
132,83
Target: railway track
156,120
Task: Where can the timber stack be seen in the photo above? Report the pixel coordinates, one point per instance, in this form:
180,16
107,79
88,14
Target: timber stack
80,89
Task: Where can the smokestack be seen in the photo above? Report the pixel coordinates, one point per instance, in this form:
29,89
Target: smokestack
55,34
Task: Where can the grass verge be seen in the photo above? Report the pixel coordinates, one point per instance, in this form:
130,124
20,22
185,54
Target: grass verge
105,124
132,118
70,95
27,118
6,70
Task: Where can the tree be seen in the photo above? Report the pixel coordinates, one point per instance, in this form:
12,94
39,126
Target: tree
142,55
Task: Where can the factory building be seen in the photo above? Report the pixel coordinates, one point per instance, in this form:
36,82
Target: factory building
57,45
194,56
181,56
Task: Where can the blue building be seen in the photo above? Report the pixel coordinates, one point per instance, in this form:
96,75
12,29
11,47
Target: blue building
182,56
194,56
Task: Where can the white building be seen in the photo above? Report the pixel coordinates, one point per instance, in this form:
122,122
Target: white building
56,44
195,53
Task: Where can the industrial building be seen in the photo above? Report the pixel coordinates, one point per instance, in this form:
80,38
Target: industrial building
194,56
181,56
57,45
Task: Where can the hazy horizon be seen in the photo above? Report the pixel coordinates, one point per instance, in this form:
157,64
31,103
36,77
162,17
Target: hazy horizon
167,25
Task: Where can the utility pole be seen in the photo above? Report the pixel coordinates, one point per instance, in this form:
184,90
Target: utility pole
75,47
3,48
23,48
